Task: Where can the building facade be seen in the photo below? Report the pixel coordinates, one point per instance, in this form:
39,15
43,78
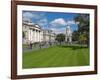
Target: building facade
48,36
33,33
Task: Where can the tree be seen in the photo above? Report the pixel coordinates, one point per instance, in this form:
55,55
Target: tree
75,36
83,38
60,38
83,26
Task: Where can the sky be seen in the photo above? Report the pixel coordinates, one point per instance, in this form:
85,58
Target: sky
55,21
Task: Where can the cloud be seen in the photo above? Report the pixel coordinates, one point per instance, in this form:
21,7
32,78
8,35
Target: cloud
26,19
27,15
70,22
42,22
35,17
57,31
59,21
31,15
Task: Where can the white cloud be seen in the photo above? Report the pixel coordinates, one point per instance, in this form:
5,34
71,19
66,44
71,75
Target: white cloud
57,31
30,15
59,21
42,22
77,22
70,22
27,15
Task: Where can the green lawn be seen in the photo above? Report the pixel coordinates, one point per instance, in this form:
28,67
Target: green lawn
57,56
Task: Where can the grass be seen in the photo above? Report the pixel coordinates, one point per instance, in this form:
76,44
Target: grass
57,56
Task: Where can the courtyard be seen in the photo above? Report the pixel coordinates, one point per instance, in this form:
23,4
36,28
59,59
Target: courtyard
57,56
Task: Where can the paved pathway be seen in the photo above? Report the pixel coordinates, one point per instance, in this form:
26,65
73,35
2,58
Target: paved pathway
36,48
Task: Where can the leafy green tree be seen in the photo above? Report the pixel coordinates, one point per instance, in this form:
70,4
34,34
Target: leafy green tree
60,38
75,36
83,26
83,38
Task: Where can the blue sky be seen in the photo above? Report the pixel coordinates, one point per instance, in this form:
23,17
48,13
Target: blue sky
56,21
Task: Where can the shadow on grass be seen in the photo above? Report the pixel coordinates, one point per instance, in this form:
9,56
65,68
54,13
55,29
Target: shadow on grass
73,47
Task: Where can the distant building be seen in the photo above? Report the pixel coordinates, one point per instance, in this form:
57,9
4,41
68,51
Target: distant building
68,35
33,33
48,36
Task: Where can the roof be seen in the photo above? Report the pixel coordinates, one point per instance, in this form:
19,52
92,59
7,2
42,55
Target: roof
31,24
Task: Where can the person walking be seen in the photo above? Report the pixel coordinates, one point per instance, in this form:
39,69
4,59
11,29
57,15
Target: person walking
31,44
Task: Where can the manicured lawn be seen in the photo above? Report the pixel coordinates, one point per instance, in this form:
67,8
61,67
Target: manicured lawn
56,56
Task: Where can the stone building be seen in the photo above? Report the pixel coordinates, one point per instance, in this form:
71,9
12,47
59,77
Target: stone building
33,33
48,36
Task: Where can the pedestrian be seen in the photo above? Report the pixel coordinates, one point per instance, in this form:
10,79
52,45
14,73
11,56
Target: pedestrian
31,44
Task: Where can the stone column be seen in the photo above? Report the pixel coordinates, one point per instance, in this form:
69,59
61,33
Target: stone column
36,36
29,34
39,36
33,35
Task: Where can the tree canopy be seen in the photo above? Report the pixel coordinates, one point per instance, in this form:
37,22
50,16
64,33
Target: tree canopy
83,28
60,38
